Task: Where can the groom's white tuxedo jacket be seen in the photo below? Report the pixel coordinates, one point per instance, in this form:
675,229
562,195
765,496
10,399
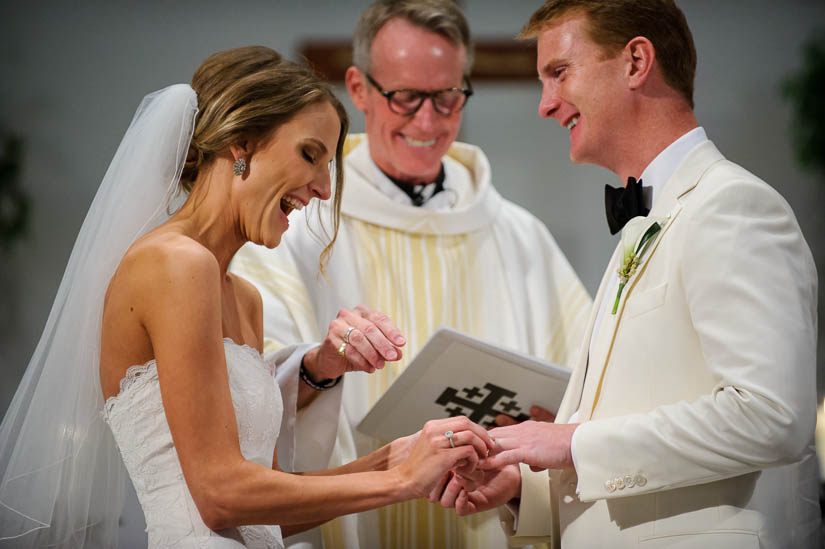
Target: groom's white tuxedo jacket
698,396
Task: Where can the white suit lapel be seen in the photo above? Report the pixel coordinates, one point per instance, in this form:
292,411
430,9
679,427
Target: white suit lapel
572,395
668,204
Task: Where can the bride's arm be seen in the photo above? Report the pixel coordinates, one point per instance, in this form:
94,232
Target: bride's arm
182,315
396,452
385,458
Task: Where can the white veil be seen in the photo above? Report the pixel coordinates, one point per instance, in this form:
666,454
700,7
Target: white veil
62,479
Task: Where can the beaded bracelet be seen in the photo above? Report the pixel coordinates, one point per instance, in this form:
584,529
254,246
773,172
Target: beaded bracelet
322,385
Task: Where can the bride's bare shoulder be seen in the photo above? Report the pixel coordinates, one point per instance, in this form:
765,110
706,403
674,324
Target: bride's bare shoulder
163,281
167,261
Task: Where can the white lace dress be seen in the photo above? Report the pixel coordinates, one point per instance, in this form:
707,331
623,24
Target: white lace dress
138,421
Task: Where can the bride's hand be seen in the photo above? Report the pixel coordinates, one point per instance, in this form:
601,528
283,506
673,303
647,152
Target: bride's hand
400,448
360,339
432,455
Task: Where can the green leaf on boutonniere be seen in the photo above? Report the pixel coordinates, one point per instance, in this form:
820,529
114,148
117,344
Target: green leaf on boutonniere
636,237
655,228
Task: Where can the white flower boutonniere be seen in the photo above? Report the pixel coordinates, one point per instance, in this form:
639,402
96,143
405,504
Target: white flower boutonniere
637,235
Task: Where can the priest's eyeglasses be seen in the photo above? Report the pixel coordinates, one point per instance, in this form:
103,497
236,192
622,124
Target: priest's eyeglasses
407,102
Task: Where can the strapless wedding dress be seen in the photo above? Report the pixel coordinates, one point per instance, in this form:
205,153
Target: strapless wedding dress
138,421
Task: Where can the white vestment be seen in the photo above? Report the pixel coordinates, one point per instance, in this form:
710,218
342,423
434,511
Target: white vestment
698,400
486,267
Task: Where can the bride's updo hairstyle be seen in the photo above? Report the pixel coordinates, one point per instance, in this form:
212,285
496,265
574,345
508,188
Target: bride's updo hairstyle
248,93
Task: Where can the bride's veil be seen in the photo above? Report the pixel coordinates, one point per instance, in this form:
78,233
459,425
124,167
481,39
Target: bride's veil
61,476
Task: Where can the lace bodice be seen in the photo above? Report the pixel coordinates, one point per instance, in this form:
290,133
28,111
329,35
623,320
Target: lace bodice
138,422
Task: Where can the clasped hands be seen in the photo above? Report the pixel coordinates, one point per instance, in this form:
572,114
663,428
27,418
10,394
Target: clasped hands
473,469
497,479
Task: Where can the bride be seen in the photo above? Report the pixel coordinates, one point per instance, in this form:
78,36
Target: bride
151,356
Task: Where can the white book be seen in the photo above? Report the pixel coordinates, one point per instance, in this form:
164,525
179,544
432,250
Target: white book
455,374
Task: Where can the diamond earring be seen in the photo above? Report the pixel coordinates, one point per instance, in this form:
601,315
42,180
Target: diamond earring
239,167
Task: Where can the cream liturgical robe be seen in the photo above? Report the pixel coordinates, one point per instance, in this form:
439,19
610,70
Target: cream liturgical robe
486,267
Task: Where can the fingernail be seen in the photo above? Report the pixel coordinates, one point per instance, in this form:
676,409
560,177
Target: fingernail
392,354
400,340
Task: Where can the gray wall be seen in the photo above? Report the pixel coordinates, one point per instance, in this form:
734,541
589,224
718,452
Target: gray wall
72,75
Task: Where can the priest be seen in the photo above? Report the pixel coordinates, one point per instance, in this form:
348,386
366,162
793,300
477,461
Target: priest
425,238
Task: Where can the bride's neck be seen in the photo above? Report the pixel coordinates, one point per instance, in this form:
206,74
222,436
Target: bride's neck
208,216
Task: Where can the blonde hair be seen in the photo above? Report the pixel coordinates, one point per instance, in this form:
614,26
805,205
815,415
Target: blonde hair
248,93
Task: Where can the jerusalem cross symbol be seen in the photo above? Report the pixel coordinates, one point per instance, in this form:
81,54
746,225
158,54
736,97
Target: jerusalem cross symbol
477,405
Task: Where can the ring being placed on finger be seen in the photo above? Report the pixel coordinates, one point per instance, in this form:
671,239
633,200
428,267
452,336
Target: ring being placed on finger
495,444
342,350
346,335
449,436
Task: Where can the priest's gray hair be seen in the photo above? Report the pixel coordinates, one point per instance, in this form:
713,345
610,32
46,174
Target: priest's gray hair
442,17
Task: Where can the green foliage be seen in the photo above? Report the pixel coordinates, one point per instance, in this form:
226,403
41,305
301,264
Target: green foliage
806,92
14,203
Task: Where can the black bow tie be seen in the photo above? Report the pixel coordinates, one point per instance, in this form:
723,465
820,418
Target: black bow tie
622,205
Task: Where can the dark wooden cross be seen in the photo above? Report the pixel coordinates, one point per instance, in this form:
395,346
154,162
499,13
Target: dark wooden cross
494,60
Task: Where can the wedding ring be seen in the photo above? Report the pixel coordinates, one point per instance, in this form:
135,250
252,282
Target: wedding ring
495,445
346,335
449,436
342,350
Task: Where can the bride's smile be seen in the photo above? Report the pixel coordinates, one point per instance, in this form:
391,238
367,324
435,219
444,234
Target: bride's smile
285,171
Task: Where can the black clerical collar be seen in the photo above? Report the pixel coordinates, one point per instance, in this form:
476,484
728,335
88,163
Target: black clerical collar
419,193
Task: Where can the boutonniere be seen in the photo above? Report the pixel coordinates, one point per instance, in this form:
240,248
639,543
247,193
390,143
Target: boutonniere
637,236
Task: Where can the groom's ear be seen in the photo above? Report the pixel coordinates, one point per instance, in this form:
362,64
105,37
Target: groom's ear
639,55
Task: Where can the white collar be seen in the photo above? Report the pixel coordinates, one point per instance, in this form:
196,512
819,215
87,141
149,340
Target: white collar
661,168
465,165
445,200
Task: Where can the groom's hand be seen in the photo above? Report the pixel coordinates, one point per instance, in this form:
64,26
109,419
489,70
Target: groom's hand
487,491
537,444
360,339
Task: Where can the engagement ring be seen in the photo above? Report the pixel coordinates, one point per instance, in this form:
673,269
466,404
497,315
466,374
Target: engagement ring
346,335
449,436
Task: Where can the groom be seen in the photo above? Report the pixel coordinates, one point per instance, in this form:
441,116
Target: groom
689,415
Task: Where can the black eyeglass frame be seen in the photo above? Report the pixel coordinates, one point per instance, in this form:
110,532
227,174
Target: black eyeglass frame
423,95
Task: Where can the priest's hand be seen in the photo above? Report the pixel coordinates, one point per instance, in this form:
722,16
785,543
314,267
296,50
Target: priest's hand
360,339
537,413
537,444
